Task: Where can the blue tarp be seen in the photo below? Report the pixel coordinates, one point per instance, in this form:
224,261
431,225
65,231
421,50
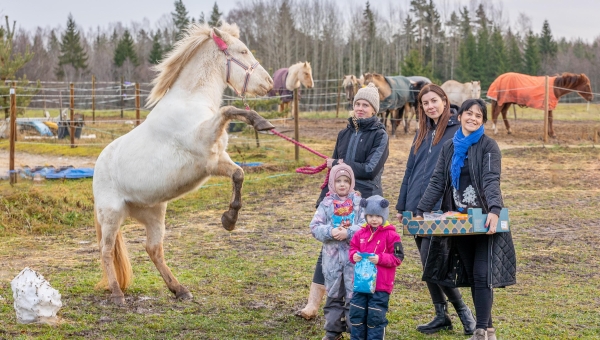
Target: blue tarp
42,128
71,173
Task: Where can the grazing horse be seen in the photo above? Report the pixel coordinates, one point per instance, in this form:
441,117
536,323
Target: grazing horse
529,91
458,92
181,143
288,79
394,99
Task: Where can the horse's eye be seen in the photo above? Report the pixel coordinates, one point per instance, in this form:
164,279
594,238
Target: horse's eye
245,52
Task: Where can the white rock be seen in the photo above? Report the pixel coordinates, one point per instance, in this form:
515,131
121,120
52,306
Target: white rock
35,300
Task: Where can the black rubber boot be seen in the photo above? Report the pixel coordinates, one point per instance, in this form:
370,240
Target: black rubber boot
466,316
441,321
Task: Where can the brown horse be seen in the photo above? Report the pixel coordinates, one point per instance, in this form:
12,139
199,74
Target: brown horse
395,114
503,93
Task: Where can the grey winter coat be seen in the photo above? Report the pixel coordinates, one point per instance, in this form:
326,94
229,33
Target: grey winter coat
335,253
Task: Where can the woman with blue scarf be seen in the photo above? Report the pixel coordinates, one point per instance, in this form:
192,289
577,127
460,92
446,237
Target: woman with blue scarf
467,175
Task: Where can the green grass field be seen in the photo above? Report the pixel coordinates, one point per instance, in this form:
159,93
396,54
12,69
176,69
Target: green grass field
248,283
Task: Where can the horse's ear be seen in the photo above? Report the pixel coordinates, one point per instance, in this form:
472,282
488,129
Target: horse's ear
218,32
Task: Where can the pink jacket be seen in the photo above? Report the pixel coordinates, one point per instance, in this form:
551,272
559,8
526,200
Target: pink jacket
382,242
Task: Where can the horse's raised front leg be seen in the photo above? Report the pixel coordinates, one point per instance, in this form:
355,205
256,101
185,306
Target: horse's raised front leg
226,167
247,116
153,218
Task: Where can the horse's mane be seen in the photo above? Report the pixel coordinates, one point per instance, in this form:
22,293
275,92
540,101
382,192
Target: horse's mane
170,67
571,80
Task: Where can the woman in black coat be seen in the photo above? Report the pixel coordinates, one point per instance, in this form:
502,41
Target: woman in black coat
364,146
437,124
467,175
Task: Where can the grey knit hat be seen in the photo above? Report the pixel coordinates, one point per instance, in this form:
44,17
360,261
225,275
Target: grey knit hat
376,205
370,94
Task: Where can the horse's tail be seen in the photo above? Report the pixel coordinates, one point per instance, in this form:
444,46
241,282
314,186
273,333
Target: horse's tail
120,259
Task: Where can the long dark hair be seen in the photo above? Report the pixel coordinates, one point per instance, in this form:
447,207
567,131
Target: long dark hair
423,119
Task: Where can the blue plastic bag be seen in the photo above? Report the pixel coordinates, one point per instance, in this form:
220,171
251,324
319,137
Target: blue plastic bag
365,275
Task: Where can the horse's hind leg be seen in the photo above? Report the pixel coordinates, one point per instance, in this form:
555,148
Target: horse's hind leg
113,254
505,108
153,218
248,116
226,167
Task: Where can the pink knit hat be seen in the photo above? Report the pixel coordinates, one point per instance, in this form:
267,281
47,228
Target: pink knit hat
341,169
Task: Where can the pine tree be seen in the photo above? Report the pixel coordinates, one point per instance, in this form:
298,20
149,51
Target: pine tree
125,51
412,65
156,54
481,58
515,57
180,19
467,50
12,61
368,37
548,47
71,52
532,55
215,17
498,60
201,20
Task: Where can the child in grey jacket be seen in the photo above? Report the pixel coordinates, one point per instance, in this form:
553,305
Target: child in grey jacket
336,220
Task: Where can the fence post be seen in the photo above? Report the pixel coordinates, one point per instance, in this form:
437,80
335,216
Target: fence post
337,107
72,122
296,132
13,135
93,99
137,104
546,98
122,101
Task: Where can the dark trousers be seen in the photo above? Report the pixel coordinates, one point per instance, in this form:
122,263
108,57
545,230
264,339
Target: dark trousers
318,276
473,252
336,312
367,315
436,291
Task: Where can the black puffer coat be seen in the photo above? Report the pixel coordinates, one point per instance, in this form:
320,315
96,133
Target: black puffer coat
420,166
365,150
443,265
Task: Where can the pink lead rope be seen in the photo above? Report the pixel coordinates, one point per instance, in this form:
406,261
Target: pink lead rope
307,170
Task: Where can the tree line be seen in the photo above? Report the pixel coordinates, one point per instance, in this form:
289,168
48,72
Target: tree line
474,42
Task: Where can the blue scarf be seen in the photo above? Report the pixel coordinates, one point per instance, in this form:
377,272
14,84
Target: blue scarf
461,146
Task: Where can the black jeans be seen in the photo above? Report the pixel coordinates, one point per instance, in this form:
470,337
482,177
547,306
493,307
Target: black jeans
436,291
473,252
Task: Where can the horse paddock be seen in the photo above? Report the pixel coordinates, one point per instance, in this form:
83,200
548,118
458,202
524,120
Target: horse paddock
247,284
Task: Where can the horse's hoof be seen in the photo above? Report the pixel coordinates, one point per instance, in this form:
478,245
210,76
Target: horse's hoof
228,219
118,300
509,132
263,124
184,294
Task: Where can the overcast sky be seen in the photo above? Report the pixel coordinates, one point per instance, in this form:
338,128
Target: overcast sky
568,18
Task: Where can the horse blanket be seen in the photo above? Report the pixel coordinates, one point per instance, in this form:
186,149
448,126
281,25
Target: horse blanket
419,78
279,88
401,93
523,90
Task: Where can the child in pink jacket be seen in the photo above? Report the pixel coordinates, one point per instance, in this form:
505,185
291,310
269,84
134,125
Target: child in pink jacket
378,236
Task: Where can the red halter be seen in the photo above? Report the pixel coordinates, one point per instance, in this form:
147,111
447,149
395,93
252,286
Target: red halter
223,47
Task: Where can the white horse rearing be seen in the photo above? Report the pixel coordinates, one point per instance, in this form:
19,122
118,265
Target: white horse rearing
178,147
